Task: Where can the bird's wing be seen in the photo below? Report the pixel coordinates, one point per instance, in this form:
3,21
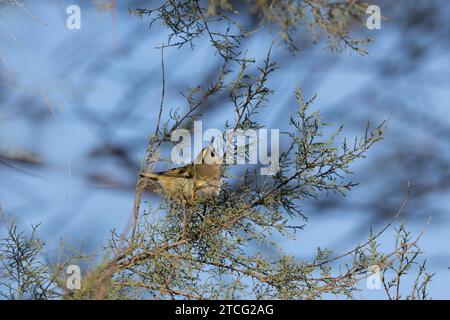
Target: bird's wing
183,172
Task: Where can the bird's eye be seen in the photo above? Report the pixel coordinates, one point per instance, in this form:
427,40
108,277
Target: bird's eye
213,154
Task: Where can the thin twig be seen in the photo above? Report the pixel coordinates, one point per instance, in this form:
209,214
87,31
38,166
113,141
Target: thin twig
387,226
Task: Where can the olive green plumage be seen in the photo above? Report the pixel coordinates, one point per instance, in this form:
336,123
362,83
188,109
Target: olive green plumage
198,181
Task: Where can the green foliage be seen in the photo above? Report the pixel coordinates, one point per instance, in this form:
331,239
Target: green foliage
408,253
188,20
23,273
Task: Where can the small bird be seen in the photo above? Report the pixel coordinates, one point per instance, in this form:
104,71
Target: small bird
198,181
